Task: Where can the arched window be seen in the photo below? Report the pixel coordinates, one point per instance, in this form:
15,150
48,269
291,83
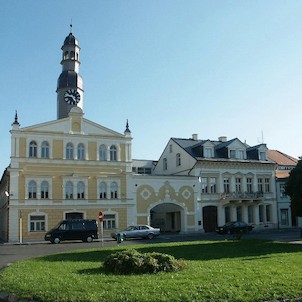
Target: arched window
103,189
103,152
69,190
81,151
72,55
113,153
69,151
178,159
44,189
113,190
32,189
45,150
32,149
80,190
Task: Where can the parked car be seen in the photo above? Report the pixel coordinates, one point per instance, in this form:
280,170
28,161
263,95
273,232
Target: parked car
234,227
79,229
137,231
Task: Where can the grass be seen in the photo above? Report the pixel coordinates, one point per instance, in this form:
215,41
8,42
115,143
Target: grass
245,271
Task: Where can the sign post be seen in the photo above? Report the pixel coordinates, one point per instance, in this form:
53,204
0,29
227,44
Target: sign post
102,229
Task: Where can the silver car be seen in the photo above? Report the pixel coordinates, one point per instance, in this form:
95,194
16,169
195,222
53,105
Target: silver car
137,231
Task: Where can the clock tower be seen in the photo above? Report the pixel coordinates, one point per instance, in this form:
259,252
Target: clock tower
70,83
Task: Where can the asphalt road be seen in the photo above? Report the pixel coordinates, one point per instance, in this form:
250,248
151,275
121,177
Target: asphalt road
10,253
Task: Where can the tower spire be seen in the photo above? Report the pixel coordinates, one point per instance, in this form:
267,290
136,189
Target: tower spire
70,26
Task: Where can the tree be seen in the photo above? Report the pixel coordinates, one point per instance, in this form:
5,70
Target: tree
293,188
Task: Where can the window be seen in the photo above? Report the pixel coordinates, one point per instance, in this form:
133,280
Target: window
213,184
143,170
284,217
282,191
32,189
249,185
32,149
113,153
204,185
239,154
113,190
103,152
267,185
45,150
262,155
69,190
226,185
37,223
208,152
170,148
238,184
103,189
227,214
80,190
178,159
260,185
165,164
109,221
44,189
232,153
69,151
81,151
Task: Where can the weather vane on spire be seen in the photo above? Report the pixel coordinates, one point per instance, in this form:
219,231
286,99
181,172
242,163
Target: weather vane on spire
71,26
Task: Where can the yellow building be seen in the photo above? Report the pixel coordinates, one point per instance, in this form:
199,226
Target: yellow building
72,168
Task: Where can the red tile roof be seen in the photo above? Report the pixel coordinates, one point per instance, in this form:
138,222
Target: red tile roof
281,159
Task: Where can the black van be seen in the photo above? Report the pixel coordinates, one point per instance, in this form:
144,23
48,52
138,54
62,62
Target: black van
79,229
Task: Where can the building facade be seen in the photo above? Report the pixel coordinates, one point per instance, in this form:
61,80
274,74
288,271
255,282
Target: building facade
235,181
72,168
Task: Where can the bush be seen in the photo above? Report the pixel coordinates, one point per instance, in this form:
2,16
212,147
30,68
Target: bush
132,262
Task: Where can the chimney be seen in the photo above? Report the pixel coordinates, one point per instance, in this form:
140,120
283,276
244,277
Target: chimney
222,139
195,137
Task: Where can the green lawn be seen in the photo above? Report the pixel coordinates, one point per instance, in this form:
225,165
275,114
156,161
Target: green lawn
245,270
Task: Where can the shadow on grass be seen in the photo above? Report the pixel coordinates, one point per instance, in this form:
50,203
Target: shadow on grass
202,250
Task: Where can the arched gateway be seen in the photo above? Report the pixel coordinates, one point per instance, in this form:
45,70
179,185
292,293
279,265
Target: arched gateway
168,217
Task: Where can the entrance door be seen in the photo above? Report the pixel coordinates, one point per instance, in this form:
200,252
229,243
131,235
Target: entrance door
209,217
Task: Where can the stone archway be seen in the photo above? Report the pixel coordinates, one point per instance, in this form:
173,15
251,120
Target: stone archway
167,216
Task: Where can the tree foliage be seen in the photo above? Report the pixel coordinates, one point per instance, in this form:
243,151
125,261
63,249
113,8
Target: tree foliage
293,188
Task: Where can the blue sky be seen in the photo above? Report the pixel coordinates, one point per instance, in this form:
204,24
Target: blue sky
172,68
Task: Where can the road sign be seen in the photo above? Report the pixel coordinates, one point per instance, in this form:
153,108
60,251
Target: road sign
101,216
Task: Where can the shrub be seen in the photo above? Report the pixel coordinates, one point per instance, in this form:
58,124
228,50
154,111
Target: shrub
132,262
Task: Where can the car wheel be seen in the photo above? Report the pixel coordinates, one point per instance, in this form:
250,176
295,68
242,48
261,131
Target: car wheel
56,240
150,236
89,239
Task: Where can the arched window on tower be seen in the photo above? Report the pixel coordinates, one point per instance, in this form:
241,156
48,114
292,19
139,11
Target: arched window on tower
32,189
72,55
32,149
45,150
113,153
69,151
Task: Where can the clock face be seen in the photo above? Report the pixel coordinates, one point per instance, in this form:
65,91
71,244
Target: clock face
72,97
